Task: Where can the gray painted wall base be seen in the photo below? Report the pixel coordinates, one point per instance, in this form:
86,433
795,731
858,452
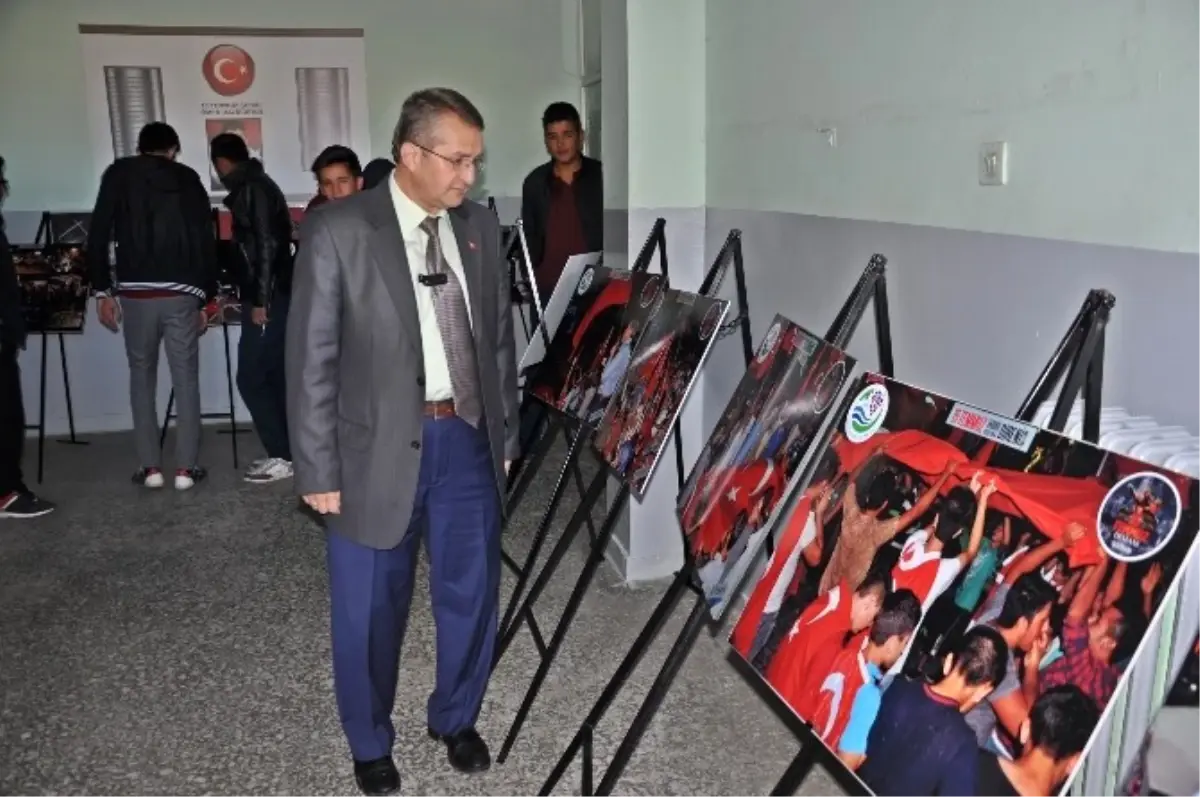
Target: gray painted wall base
975,315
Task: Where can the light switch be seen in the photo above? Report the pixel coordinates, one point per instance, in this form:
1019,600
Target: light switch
993,163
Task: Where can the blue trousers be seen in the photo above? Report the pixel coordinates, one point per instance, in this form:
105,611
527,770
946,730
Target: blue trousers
457,512
260,376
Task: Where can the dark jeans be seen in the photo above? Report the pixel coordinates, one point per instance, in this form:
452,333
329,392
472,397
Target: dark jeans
260,376
12,422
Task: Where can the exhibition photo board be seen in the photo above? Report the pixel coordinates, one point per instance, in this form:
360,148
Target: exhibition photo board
980,587
662,367
53,284
555,308
746,468
594,341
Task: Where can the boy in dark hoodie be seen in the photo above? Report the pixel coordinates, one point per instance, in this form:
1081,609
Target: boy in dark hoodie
152,262
16,501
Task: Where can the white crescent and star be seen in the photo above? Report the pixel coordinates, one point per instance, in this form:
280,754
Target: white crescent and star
218,72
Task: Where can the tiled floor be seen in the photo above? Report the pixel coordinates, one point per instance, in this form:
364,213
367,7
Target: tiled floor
178,643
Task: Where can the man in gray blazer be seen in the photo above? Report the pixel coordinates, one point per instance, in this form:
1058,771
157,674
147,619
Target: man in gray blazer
402,398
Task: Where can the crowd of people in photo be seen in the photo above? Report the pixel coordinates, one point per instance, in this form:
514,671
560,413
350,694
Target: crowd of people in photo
768,427
659,374
936,644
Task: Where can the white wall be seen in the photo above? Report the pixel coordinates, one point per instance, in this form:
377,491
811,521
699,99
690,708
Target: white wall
511,57
1097,101
654,49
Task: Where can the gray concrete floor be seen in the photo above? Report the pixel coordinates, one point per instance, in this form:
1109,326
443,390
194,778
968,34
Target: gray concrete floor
178,644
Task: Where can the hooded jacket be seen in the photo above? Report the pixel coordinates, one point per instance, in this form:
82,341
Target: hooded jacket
12,318
159,217
262,231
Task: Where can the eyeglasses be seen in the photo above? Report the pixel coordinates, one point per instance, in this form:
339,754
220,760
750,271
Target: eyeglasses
460,164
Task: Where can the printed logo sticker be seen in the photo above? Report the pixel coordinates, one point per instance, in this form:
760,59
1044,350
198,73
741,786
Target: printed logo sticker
769,341
867,413
709,323
1139,516
827,388
585,282
652,291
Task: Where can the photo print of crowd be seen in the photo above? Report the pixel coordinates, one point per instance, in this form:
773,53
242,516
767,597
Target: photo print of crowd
973,593
673,345
54,287
594,342
744,470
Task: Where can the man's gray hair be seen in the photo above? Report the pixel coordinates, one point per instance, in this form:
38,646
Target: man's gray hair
421,110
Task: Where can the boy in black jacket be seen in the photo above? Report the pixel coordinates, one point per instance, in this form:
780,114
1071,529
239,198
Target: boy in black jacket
15,499
262,232
154,215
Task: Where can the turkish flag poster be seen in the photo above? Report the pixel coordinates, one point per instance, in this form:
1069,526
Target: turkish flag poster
288,92
658,373
593,343
765,433
971,593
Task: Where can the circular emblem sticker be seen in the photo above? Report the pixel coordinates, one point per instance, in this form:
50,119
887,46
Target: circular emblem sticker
1139,516
652,290
867,413
827,387
768,343
228,70
709,323
585,282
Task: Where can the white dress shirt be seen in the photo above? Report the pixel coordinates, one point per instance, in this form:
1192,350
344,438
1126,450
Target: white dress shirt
411,215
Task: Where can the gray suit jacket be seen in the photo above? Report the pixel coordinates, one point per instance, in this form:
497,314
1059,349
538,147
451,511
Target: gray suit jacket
356,387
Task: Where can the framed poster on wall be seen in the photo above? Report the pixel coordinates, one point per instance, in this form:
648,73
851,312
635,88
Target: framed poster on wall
289,92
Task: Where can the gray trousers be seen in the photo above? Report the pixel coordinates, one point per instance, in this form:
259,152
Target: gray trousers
173,321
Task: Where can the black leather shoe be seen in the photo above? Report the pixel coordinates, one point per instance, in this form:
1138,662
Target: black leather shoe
377,777
466,750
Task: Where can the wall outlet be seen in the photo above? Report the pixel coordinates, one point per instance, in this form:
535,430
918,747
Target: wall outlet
993,163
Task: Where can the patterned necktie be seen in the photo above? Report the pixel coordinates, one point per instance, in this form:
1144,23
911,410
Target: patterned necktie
450,307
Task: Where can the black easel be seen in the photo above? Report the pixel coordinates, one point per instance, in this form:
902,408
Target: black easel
730,254
50,236
1081,355
577,434
231,415
556,425
871,285
512,241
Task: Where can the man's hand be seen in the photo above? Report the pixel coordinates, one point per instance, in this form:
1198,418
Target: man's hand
1151,579
325,503
259,316
507,465
202,321
1037,650
109,312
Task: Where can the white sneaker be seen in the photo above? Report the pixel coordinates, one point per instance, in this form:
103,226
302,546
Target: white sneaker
257,465
186,478
149,477
271,470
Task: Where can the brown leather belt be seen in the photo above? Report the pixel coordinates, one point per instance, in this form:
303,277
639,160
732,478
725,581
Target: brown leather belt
439,409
